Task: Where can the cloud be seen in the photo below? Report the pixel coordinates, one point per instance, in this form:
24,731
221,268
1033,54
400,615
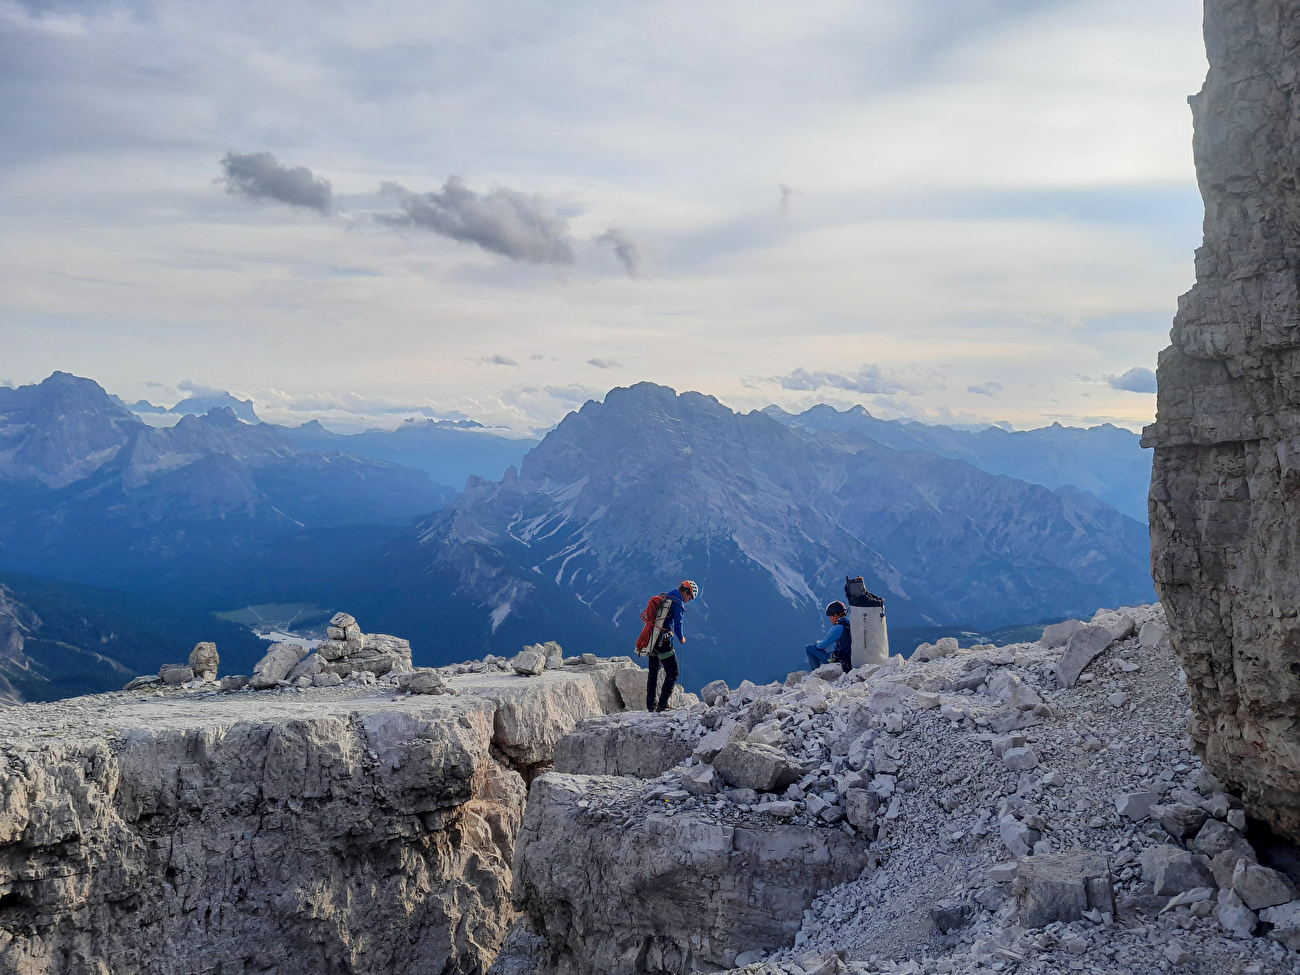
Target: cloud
536,357
625,250
259,176
573,393
516,225
497,360
868,379
196,389
985,389
1137,380
605,363
786,193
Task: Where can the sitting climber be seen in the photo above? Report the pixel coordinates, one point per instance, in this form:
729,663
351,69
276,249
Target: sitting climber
837,645
667,622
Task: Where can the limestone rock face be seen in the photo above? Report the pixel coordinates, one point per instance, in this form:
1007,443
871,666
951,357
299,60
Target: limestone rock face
637,743
255,834
709,890
1225,491
534,713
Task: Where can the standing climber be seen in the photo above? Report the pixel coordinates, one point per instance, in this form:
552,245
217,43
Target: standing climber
837,645
664,622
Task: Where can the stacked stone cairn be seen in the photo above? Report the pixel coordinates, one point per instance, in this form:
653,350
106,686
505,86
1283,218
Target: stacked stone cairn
347,652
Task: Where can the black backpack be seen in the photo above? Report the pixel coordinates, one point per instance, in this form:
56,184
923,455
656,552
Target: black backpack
857,593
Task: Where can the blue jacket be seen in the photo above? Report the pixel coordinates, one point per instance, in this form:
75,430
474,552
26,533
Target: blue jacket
673,621
838,637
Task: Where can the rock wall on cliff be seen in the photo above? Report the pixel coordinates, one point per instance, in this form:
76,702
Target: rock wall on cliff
349,829
1225,493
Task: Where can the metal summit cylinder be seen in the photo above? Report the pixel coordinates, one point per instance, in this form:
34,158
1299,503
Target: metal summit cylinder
866,624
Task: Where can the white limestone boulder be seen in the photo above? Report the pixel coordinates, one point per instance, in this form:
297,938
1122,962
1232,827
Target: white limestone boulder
276,665
204,661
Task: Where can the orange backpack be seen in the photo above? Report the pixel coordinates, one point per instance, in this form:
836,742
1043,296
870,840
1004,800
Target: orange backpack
649,616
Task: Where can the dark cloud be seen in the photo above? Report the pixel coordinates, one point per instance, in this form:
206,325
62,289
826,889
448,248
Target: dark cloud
605,363
786,193
516,225
259,176
625,250
497,360
1137,380
867,379
985,389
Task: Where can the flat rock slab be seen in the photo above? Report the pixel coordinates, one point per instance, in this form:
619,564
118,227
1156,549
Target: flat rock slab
1058,634
1085,646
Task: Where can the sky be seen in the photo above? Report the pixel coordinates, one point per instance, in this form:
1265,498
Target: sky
967,212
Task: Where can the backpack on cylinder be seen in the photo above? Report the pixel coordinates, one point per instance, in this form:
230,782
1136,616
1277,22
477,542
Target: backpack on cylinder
651,616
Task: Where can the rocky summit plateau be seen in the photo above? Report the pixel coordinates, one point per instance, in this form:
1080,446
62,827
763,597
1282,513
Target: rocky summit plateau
363,827
1034,806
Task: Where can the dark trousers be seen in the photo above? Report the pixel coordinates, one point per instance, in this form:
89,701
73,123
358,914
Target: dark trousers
670,680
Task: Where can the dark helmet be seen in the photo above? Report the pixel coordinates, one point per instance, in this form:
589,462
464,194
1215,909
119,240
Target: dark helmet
837,608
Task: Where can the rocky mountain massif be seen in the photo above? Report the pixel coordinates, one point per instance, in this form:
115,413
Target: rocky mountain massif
1225,527
1030,808
90,493
1104,460
628,496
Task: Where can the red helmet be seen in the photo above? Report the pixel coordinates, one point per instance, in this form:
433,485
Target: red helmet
688,584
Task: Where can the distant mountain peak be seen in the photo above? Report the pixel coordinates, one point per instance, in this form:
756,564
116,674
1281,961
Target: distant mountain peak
221,416
202,403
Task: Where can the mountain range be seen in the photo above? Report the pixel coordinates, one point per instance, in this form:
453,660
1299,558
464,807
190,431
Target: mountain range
626,497
90,493
1104,460
449,451
195,405
623,499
